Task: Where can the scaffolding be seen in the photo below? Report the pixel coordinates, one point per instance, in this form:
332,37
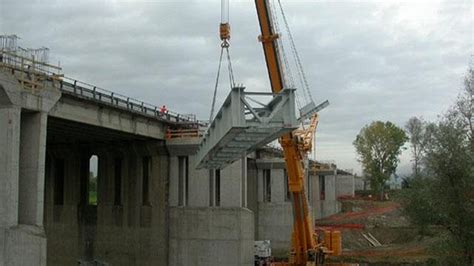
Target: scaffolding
9,42
29,65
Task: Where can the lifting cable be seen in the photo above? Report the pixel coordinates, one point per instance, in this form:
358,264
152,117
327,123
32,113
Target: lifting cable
215,87
225,36
224,46
287,73
299,65
229,67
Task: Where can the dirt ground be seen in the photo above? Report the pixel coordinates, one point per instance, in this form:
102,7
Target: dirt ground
400,242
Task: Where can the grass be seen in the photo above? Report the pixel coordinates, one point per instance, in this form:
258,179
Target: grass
92,197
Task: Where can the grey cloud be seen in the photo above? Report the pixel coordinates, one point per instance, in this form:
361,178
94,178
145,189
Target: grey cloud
365,57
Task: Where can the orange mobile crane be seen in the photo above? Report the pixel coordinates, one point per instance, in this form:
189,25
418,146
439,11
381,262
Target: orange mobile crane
304,245
306,250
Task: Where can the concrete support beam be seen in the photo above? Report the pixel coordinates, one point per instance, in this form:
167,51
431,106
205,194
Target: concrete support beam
260,190
329,205
9,166
90,113
32,167
345,185
232,184
174,186
243,180
278,185
198,185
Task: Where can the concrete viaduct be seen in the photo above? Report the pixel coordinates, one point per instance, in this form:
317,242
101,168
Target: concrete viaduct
48,135
144,202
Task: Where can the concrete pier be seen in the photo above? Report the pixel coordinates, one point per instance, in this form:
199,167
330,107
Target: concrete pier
209,221
23,120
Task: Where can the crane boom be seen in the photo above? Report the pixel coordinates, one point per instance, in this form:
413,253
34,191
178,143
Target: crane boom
304,245
270,46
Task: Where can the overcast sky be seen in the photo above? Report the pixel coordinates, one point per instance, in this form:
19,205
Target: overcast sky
379,60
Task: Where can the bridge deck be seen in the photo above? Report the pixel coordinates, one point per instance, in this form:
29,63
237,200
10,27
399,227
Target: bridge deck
83,90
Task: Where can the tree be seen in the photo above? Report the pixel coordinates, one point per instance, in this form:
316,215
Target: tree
415,128
378,146
450,162
464,108
444,194
420,133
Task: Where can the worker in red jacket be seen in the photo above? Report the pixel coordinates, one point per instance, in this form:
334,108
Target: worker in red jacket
163,110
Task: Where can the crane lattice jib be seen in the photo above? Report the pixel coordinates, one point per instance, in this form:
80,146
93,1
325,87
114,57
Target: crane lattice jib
303,240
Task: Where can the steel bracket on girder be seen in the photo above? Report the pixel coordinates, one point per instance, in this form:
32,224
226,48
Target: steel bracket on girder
244,123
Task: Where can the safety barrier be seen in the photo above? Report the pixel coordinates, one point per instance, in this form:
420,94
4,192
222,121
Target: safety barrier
32,73
184,133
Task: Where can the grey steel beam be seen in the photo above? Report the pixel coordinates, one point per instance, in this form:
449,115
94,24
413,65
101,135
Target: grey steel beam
239,128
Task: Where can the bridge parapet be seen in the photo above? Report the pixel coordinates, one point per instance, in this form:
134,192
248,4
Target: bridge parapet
84,90
34,74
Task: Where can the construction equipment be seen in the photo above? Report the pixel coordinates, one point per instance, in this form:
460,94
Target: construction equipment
238,128
263,252
305,247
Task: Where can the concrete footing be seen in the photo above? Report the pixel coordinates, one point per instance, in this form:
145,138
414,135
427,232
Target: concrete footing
24,245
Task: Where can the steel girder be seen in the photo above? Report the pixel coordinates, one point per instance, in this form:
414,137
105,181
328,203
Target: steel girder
239,128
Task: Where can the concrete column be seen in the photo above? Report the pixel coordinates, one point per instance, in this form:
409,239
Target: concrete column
134,194
9,166
32,167
330,189
198,185
330,203
10,143
243,185
316,204
231,185
278,185
173,186
23,118
259,177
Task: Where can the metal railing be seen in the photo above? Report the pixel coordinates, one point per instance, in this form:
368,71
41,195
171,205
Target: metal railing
88,91
184,133
27,66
